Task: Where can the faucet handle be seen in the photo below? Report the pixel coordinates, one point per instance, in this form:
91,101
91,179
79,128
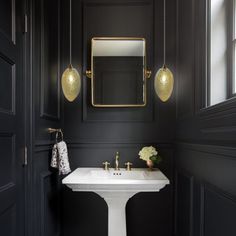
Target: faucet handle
128,166
106,165
117,155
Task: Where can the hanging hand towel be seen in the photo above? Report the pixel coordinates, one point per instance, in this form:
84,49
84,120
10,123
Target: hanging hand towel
60,158
54,160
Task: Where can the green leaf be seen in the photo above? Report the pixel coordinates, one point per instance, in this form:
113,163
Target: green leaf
156,159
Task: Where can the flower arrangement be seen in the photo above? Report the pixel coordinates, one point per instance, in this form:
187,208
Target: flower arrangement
150,155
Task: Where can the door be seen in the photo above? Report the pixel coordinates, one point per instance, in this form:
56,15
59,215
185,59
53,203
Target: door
12,138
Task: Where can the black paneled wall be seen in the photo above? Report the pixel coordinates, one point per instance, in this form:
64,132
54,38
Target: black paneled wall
95,134
46,112
30,102
12,124
202,163
206,154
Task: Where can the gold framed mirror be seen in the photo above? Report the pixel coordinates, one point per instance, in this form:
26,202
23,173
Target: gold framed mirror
118,72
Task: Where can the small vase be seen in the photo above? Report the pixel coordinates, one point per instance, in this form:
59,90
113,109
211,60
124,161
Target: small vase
150,164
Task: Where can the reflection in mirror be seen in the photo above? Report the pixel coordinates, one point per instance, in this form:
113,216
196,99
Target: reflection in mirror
118,72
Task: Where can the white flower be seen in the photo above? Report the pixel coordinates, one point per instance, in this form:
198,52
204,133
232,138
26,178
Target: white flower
147,152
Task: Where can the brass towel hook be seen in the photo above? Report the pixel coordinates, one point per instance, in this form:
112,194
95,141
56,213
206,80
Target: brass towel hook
52,130
57,131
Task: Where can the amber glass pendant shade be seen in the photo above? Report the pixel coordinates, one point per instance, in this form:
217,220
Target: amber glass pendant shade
70,80
164,79
164,83
71,83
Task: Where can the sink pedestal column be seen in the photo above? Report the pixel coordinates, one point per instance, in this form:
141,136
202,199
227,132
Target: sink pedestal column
116,202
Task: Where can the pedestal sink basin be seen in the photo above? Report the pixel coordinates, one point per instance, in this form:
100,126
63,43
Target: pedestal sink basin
116,187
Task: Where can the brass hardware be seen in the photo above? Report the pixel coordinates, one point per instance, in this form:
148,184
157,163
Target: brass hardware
117,161
128,166
51,130
89,74
57,131
147,74
106,165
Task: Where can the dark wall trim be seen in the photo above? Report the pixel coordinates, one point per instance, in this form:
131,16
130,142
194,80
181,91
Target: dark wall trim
12,109
184,203
219,151
43,177
91,114
43,113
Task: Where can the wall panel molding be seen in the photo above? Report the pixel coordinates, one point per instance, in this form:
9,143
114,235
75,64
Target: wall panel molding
205,140
48,203
13,37
219,130
8,152
200,67
6,191
202,206
91,114
46,111
215,204
219,212
111,143
46,107
118,3
46,194
8,95
218,151
185,59
184,202
223,109
10,32
43,148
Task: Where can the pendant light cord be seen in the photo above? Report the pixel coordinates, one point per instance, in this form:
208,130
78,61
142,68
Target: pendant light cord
164,30
70,32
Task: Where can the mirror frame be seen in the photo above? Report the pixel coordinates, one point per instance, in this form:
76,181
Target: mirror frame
147,74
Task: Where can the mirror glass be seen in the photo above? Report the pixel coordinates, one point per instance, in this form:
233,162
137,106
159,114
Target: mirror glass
118,72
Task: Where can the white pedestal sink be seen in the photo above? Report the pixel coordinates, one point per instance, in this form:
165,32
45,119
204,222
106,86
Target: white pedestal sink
116,187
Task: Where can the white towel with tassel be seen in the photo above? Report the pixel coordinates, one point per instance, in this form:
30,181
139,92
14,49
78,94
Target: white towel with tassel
60,159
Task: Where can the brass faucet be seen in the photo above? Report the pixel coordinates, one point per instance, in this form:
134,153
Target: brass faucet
128,166
106,165
117,161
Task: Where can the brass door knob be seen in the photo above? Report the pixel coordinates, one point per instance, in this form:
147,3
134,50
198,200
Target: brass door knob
106,165
128,166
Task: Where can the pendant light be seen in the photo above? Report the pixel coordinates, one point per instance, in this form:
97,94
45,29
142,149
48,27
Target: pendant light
71,81
164,79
